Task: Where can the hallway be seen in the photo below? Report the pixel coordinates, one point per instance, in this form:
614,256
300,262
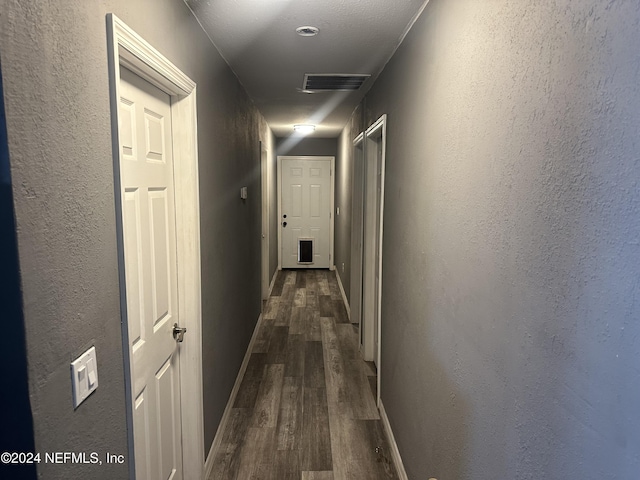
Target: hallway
510,291
306,405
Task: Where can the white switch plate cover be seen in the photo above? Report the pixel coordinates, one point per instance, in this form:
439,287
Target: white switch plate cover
84,376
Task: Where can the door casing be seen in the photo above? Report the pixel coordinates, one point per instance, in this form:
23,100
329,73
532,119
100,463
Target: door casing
369,208
373,209
128,49
357,233
265,182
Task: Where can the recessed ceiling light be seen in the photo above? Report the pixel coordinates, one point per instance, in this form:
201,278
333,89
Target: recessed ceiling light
304,128
307,31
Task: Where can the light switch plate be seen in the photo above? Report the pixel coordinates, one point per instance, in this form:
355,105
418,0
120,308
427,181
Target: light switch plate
84,376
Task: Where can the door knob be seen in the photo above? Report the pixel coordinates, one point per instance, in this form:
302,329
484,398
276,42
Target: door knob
284,224
178,332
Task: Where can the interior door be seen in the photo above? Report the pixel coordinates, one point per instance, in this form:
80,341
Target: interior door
305,212
148,221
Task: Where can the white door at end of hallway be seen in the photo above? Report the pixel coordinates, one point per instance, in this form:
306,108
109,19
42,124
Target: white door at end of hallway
148,222
306,211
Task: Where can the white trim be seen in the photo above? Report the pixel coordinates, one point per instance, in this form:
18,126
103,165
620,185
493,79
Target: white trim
217,441
332,227
357,233
264,244
344,295
406,32
409,27
128,49
273,282
380,125
136,54
279,201
395,452
279,159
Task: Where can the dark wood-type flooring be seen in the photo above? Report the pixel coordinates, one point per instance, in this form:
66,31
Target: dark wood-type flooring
306,407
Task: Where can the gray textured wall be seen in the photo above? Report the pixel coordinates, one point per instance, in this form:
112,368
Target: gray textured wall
511,258
16,424
342,232
344,189
54,68
297,146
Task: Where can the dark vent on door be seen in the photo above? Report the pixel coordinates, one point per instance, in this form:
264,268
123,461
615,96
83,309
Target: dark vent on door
333,82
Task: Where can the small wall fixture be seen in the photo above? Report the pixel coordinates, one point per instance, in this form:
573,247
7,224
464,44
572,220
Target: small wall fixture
304,129
307,31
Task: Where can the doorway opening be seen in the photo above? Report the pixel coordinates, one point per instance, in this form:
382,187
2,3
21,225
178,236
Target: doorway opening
169,128
368,208
357,234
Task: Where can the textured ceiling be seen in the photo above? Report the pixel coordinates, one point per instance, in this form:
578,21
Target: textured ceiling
258,40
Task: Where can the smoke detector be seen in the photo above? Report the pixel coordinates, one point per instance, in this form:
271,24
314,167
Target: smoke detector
307,31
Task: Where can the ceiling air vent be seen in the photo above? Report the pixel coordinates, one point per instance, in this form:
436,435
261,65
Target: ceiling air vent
333,82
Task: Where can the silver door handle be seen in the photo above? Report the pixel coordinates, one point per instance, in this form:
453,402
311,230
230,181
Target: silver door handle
178,332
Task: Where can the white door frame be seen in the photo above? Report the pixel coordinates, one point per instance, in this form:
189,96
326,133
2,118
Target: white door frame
370,325
128,49
357,233
332,216
265,182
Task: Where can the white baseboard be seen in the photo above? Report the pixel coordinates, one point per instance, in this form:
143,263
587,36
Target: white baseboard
217,441
344,295
273,281
395,453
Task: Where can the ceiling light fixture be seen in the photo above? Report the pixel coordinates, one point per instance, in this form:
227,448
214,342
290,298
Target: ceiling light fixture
304,129
307,31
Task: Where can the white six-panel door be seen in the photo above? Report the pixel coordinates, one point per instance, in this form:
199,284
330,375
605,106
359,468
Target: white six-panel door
148,213
306,203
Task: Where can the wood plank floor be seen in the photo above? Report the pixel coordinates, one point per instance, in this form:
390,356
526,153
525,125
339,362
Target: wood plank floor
306,406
